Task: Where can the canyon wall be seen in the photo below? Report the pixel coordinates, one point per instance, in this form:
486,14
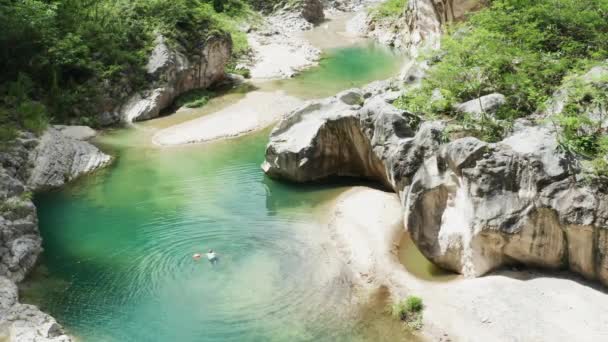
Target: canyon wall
32,164
421,24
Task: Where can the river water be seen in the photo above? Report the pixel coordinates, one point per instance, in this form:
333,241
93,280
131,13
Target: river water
118,244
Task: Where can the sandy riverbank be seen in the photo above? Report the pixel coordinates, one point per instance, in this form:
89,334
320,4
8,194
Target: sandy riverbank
256,111
366,226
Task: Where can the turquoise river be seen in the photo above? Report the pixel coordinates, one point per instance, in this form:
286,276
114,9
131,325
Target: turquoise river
118,244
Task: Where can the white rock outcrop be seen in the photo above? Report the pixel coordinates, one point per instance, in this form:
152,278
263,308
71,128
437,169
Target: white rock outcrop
59,158
173,73
470,206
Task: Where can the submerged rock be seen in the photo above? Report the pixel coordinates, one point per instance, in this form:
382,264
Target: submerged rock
470,206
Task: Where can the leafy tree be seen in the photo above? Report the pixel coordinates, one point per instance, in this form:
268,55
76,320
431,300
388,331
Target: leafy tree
60,58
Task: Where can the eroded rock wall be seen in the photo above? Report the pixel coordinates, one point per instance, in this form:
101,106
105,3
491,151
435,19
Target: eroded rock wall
470,206
421,24
171,73
30,164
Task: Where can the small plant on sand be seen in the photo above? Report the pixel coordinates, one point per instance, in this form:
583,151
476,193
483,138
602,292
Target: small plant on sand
409,311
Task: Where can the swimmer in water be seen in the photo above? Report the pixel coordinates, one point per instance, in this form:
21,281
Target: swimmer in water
196,256
212,257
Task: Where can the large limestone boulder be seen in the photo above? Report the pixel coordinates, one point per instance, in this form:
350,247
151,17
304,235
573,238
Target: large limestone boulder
173,73
32,164
59,158
470,206
315,142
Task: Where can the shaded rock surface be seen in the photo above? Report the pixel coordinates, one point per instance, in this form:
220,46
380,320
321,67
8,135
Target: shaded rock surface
470,206
312,11
30,164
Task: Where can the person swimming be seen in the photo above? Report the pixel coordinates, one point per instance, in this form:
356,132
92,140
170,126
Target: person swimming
212,256
196,256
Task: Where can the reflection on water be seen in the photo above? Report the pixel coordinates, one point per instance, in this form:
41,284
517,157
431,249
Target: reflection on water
418,265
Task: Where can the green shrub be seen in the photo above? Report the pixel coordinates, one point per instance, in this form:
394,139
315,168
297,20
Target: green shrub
390,8
409,311
194,98
243,72
26,196
413,304
579,133
33,116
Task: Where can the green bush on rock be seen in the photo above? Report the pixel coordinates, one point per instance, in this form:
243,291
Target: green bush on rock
390,8
583,120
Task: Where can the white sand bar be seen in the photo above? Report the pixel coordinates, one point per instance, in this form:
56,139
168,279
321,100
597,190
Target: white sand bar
256,111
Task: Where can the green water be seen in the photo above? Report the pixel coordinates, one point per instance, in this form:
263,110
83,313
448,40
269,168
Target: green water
418,265
117,264
341,69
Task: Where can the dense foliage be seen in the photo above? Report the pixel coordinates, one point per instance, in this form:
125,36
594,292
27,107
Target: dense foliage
58,57
390,8
522,49
582,122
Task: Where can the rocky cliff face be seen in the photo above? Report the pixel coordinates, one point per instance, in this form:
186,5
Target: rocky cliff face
172,73
470,206
31,164
420,25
